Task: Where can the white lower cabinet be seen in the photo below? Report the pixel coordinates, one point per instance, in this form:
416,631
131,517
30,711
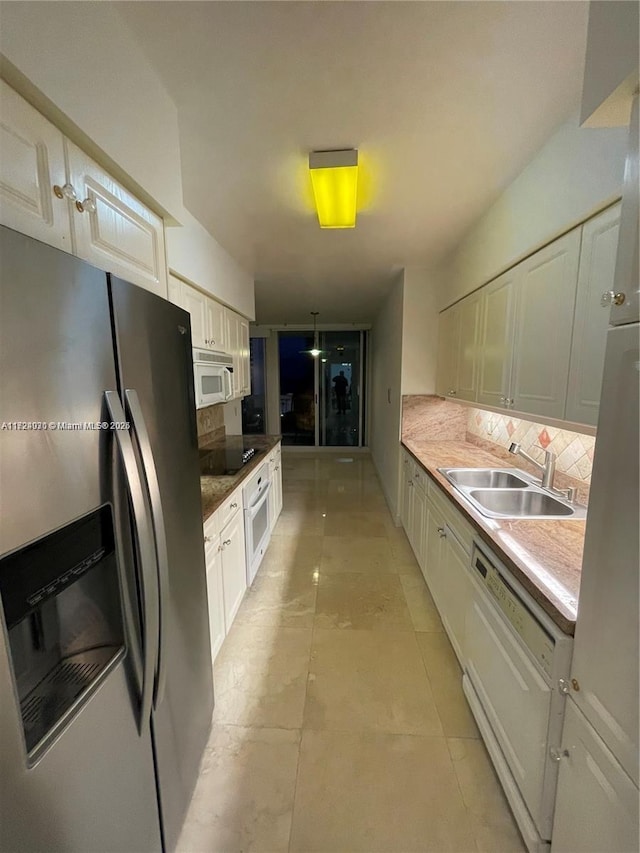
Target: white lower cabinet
597,803
226,568
234,568
215,595
275,494
455,591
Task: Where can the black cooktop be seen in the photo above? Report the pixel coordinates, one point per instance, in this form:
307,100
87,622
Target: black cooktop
225,461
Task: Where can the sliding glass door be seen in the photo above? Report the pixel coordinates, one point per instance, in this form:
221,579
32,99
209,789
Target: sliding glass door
321,397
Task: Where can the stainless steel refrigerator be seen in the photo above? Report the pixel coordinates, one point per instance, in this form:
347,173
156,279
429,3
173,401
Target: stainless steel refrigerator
597,800
105,670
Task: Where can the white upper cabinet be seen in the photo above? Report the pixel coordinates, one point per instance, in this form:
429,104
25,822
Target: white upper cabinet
113,230
233,348
195,303
32,163
448,350
51,190
245,358
216,326
544,316
469,310
495,347
591,321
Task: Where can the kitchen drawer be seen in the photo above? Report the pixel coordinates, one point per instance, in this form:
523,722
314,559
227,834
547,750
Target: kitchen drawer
229,508
461,528
420,478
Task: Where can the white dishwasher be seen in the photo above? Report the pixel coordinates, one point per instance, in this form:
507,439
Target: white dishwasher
517,665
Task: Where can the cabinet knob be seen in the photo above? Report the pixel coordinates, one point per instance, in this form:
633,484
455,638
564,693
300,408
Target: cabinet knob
207,539
88,205
234,505
610,297
65,191
558,754
442,533
226,542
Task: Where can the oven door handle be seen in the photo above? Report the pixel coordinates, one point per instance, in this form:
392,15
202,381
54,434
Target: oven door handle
134,410
145,544
255,507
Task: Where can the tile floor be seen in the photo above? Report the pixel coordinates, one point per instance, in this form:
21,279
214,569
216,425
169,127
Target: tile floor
340,722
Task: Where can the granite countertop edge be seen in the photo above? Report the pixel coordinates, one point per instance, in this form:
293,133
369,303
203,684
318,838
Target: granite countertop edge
215,490
551,575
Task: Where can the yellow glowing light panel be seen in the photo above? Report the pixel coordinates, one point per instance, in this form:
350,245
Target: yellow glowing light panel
334,177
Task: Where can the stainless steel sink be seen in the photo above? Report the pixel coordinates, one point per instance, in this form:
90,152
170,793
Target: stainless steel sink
509,493
484,478
520,503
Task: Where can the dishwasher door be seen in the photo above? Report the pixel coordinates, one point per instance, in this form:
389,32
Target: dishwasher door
516,699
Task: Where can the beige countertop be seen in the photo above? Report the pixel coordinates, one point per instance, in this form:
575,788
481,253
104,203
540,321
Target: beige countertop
545,556
214,490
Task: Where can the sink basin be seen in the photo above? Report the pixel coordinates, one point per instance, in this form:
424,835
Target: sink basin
520,503
484,478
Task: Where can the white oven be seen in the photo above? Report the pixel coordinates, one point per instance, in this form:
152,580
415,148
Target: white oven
212,373
517,663
257,523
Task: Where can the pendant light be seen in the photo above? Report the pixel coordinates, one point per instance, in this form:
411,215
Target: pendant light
315,351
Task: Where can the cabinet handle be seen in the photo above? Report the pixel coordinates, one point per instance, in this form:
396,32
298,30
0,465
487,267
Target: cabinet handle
503,400
409,483
442,533
65,191
234,505
610,297
86,206
226,542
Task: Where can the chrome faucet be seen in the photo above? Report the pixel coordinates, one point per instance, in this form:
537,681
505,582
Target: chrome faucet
547,470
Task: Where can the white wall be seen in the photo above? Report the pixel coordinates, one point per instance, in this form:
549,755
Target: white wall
420,330
99,88
193,254
385,403
574,174
611,63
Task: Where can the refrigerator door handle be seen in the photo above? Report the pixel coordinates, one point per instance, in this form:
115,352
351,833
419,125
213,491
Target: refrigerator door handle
136,417
148,575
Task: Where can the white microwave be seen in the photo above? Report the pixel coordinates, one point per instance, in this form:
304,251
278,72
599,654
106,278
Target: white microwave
213,377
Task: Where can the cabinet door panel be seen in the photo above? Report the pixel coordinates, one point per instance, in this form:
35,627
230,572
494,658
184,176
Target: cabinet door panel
215,596
244,358
467,360
448,348
544,316
233,348
234,569
591,320
597,803
32,162
514,695
418,524
455,597
196,304
216,326
496,340
432,567
121,236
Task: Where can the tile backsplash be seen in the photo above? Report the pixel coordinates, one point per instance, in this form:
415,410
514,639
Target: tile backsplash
210,421
574,451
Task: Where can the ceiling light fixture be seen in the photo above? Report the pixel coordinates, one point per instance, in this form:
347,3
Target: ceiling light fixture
334,177
314,351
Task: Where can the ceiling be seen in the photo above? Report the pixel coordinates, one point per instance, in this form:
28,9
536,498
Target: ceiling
446,102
